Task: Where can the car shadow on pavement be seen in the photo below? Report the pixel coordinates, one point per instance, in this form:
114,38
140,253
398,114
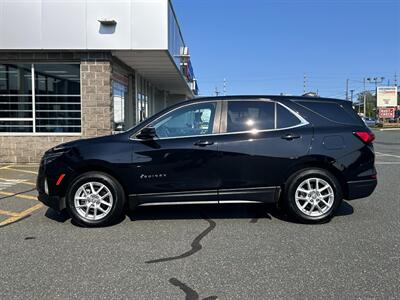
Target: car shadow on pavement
223,211
253,212
63,216
344,209
54,215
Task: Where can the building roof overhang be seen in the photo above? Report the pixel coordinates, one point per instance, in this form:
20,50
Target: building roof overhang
158,67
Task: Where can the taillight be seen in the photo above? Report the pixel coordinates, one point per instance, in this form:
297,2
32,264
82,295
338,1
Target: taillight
366,136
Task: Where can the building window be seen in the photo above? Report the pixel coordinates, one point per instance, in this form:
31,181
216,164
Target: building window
53,105
16,98
120,93
144,98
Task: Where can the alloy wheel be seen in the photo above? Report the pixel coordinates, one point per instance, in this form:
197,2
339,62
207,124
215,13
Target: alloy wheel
93,201
314,197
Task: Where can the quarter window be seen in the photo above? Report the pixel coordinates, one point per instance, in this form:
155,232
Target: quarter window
197,119
53,107
250,115
333,111
285,118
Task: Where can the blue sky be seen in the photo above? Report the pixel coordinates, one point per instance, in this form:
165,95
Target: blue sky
265,46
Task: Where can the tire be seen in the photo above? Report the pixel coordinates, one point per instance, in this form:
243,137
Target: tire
95,199
308,204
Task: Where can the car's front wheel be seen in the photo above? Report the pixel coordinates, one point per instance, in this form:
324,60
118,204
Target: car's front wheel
312,195
95,199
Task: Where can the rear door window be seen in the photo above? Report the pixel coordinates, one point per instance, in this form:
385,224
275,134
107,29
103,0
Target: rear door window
250,115
333,111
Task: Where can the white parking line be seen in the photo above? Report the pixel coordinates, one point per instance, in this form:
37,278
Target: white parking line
387,163
19,170
386,154
5,167
8,183
18,181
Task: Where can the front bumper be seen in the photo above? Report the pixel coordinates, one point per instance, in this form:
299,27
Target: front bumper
55,202
360,188
53,196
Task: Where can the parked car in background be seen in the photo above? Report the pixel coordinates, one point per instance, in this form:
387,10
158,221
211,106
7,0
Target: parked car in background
370,122
305,154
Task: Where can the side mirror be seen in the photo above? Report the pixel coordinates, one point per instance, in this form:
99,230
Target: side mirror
147,133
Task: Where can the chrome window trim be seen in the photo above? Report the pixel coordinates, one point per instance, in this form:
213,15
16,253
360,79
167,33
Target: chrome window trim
240,202
177,203
132,137
303,122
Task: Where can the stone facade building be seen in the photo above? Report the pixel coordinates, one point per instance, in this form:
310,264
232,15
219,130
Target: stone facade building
117,65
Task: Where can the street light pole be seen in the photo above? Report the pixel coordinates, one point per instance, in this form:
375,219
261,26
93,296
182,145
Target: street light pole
375,80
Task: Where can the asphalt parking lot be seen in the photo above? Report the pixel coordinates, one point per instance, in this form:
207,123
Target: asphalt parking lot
203,252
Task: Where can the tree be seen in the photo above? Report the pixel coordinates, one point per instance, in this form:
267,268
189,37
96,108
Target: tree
371,110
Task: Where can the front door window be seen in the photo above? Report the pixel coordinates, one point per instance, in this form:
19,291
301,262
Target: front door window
192,120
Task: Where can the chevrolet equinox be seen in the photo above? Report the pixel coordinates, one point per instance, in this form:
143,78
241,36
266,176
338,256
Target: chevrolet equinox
304,153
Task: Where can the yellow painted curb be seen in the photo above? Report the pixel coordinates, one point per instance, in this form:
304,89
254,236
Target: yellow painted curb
21,215
9,213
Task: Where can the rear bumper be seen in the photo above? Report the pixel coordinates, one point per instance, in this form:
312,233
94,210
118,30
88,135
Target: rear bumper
360,188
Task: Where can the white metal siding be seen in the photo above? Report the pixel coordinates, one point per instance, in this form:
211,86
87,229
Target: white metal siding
73,24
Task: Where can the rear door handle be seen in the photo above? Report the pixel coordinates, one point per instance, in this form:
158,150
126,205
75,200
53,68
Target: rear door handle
291,136
203,143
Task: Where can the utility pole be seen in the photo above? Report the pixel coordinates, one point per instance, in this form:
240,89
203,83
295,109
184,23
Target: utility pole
304,83
216,91
375,80
224,91
351,95
365,100
347,89
395,79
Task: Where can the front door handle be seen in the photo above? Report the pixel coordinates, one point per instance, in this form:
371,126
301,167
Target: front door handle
290,136
203,143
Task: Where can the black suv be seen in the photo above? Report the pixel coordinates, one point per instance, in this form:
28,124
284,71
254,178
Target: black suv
304,153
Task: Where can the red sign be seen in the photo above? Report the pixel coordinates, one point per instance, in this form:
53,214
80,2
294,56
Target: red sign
387,113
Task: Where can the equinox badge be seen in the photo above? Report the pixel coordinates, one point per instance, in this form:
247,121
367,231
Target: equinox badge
152,176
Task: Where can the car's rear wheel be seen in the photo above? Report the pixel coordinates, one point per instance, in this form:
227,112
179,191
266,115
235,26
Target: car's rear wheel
95,199
312,195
